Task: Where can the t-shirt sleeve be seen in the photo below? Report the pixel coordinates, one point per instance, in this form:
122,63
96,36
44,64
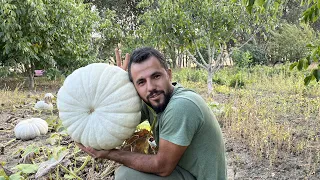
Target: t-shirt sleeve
181,122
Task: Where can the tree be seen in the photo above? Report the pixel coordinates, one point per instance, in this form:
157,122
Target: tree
203,29
125,12
191,26
45,33
310,15
109,35
289,42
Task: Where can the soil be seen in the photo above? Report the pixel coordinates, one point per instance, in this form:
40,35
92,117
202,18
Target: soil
242,164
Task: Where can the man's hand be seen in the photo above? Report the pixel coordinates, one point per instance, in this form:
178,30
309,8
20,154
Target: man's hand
124,66
94,153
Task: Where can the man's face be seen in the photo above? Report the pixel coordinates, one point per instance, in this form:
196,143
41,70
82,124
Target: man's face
153,83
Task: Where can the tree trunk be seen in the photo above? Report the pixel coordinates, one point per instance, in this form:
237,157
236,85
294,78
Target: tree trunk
30,70
173,57
209,81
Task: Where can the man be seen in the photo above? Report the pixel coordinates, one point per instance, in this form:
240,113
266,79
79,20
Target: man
189,139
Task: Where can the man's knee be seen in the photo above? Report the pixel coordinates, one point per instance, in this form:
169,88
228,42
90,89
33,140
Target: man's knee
124,173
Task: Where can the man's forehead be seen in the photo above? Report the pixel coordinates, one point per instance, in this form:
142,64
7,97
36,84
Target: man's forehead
146,68
150,63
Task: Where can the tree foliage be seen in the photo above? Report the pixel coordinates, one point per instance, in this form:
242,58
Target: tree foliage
65,35
126,12
206,30
109,34
192,26
289,43
45,33
310,15
249,55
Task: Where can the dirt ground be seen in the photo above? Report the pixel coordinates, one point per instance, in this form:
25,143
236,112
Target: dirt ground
241,163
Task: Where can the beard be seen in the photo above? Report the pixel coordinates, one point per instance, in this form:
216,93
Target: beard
160,107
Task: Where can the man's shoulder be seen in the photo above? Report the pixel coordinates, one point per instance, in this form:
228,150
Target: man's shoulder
183,95
185,98
180,91
187,103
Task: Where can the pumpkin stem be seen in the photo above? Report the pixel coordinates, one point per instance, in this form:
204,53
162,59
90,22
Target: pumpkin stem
91,111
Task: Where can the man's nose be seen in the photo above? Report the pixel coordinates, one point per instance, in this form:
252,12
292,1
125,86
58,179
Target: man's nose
150,86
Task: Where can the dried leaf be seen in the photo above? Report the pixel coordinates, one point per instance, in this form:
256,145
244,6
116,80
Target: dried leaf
138,142
141,145
46,166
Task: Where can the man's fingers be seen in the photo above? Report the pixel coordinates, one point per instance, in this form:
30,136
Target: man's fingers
92,152
126,62
124,66
118,57
88,150
79,145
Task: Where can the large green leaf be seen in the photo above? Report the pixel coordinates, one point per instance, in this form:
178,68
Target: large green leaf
293,65
16,176
27,168
308,79
300,64
316,74
260,2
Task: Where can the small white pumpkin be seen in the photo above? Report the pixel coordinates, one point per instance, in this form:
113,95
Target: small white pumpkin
43,105
30,128
49,95
46,104
99,106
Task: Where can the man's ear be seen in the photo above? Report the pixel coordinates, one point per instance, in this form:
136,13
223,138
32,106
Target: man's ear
169,72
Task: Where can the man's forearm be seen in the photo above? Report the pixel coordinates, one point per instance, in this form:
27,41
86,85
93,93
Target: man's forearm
161,164
140,162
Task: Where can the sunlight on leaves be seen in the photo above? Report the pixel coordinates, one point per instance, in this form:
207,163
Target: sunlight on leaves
144,125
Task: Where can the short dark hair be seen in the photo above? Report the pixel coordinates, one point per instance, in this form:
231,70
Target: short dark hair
142,54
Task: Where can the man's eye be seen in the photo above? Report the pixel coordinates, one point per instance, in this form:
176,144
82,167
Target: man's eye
140,83
157,76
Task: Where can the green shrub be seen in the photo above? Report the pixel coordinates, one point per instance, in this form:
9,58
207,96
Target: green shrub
218,80
289,42
249,55
237,81
188,74
4,72
53,74
242,59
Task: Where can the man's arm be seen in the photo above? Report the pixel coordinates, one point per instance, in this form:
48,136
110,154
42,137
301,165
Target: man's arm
162,164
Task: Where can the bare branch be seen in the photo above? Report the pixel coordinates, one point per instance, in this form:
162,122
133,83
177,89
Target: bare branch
174,42
209,53
201,57
218,62
195,60
247,40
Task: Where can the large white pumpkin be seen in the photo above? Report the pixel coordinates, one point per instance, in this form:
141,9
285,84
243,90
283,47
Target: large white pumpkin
30,128
99,106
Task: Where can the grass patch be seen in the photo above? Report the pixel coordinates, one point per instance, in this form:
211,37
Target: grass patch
272,112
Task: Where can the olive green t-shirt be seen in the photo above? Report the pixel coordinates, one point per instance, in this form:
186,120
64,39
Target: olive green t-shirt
188,121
